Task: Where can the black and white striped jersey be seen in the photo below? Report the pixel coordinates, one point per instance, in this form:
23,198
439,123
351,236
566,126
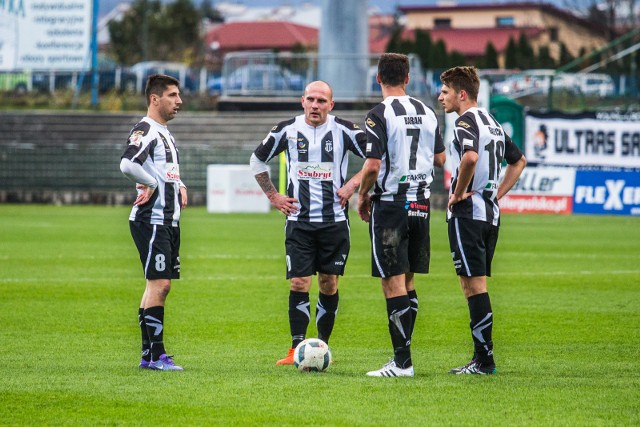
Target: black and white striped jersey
151,145
317,163
404,134
478,131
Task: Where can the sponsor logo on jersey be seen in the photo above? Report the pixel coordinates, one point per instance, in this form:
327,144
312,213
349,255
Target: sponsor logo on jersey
355,126
370,123
412,120
467,142
413,177
172,172
463,124
491,186
301,144
315,171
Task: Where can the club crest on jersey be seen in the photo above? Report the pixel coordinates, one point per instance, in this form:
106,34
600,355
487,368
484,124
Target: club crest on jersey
136,138
328,146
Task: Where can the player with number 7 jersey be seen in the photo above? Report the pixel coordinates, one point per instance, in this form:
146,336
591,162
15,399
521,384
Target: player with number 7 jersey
403,146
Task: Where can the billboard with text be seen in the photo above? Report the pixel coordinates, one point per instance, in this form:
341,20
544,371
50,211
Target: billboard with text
601,139
45,34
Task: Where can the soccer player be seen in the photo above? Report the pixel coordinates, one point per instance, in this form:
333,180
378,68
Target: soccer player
403,145
316,145
151,161
480,144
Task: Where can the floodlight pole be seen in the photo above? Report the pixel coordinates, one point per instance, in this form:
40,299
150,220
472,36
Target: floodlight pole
94,54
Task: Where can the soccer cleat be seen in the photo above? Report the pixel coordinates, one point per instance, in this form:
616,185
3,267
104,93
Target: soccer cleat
144,364
474,368
164,363
287,360
392,370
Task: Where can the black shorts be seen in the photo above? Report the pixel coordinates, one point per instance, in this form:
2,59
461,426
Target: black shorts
400,241
472,244
159,249
316,247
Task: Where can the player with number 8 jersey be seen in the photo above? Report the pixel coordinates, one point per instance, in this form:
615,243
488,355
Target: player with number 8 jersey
151,161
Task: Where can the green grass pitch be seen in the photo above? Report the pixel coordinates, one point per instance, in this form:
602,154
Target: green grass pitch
565,293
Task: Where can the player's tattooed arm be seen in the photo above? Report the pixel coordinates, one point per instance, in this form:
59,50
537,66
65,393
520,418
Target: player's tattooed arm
284,204
265,183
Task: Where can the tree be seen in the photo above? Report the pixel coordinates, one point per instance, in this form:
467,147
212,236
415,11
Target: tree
423,45
207,11
490,57
544,58
525,56
510,55
565,55
152,30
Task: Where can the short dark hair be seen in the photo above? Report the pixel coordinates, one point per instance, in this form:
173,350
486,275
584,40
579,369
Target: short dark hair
393,68
462,78
157,84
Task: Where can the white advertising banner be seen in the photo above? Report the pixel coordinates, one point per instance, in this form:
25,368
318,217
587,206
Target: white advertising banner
45,34
542,190
588,139
233,188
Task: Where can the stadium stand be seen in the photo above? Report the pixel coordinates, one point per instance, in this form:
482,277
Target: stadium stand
67,158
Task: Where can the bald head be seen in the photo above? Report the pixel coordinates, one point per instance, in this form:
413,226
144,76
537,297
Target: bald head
317,102
321,86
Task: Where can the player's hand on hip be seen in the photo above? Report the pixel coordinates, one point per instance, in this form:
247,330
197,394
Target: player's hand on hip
144,194
184,200
284,204
453,199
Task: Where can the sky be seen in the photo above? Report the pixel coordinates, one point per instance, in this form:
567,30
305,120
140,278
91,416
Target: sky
385,6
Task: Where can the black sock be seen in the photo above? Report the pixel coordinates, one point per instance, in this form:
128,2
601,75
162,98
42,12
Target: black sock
326,311
481,326
298,316
146,344
413,301
154,319
400,315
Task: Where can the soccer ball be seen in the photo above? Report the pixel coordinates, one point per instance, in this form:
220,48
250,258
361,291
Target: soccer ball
312,354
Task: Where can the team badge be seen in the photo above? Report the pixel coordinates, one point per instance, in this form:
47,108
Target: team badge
136,138
328,146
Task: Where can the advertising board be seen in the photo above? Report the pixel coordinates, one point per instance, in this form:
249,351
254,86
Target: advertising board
45,34
607,192
588,139
541,190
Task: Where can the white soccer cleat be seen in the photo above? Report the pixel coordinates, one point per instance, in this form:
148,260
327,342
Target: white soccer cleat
392,370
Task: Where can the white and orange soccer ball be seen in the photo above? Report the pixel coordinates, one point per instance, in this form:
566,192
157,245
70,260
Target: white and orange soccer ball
312,354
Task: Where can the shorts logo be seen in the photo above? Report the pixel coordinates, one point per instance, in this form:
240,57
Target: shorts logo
417,209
